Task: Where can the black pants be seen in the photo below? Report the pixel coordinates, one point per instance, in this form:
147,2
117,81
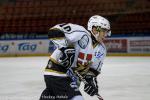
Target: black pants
59,88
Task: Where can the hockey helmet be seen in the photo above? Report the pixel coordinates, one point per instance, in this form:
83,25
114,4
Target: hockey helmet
100,22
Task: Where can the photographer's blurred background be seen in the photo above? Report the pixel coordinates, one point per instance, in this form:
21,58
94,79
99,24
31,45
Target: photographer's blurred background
24,24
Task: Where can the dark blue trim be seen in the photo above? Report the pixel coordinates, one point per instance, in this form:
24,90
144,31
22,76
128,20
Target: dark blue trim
43,35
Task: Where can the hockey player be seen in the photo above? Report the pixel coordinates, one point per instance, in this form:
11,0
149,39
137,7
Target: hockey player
81,51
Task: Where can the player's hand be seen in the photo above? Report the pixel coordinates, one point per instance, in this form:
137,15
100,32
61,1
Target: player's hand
91,86
82,69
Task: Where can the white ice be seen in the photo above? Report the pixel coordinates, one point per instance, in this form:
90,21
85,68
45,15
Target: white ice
122,78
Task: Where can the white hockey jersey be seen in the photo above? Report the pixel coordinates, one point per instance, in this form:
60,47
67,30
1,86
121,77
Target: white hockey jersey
80,38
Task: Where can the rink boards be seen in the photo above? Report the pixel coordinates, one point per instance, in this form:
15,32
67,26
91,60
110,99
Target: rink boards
133,46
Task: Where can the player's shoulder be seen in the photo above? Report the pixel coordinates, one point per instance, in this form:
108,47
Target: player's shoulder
73,32
70,28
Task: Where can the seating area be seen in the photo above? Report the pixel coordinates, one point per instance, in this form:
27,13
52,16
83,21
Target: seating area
126,16
132,23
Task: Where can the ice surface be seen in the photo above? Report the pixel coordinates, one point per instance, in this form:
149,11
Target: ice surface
122,78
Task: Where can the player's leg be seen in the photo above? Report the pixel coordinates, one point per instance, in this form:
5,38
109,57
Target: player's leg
59,88
48,93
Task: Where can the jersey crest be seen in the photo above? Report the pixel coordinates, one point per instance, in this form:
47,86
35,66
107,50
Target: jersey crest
83,42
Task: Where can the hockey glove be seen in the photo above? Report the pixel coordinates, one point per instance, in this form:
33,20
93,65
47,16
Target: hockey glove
67,57
91,86
82,69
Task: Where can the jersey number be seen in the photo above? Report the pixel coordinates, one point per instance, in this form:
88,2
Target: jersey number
66,27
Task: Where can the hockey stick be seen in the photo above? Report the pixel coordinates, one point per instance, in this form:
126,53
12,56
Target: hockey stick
85,82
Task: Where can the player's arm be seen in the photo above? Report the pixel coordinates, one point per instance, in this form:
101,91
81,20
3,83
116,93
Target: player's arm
91,87
71,34
90,76
64,54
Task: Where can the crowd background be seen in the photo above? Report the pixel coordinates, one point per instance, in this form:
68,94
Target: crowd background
31,19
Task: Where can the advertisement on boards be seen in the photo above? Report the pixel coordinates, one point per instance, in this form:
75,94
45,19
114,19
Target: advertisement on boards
139,45
116,45
4,48
130,45
15,47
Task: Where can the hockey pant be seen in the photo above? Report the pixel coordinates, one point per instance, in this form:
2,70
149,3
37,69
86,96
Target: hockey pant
60,88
